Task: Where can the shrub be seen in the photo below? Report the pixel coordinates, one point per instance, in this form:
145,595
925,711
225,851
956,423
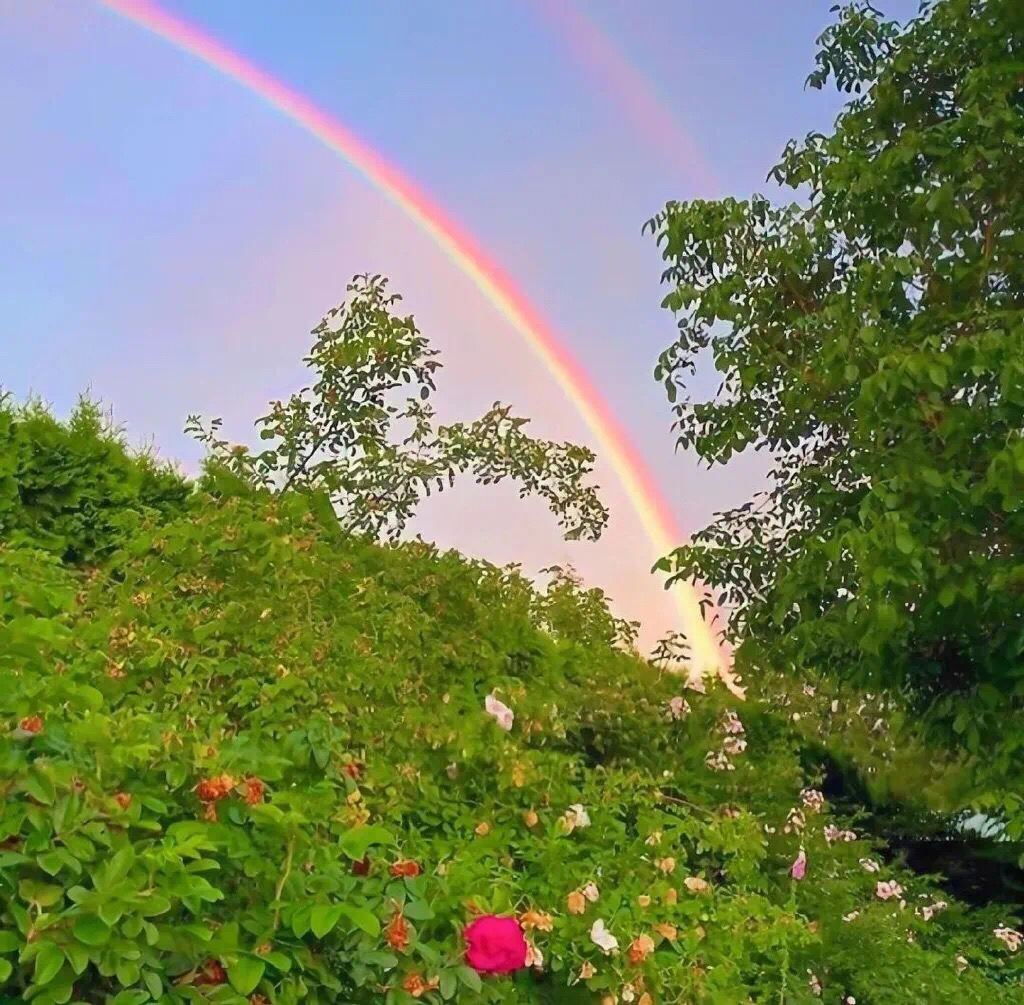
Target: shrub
249,758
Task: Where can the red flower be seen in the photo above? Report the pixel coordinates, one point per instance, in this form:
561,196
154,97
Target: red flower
123,799
398,932
212,790
254,790
362,867
354,769
31,724
213,973
405,867
495,945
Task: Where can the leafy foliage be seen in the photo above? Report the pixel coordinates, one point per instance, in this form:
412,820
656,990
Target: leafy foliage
338,435
246,758
871,337
73,488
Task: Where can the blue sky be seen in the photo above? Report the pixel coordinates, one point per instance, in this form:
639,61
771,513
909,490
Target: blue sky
170,239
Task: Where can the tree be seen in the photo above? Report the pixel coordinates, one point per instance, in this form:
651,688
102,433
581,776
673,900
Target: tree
870,336
349,435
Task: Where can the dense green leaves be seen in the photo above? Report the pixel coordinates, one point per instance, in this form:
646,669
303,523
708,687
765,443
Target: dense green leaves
871,338
249,758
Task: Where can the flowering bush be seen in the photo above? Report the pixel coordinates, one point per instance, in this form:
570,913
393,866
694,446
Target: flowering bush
253,758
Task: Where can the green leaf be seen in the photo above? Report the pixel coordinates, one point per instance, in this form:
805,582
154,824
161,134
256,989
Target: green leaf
449,983
355,842
245,973
91,931
323,918
154,985
49,960
9,942
365,920
470,978
40,787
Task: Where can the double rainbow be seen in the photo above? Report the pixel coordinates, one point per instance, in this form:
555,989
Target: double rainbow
465,253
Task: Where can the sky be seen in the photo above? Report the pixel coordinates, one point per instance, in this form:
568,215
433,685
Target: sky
170,239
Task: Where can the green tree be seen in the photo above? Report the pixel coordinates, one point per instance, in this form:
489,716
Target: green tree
870,336
375,453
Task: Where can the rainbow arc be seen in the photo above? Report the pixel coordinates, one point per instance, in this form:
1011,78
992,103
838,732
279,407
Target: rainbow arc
465,253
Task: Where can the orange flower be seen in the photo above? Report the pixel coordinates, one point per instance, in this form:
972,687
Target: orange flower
576,902
696,885
671,896
641,948
643,900
398,932
405,868
666,865
530,818
212,790
645,999
587,971
666,931
31,724
482,829
417,986
123,799
536,919
254,790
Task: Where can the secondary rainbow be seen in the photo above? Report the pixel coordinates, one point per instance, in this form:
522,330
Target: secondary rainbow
632,91
629,468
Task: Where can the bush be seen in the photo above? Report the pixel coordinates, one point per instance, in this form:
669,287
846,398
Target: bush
248,757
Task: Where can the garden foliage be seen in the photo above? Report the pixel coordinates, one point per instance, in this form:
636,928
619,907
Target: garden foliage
247,755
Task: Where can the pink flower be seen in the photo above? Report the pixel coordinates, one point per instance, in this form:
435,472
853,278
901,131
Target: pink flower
495,945
799,867
678,707
1009,937
885,890
499,711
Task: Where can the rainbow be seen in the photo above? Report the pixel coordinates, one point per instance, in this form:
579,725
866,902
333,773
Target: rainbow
591,46
463,251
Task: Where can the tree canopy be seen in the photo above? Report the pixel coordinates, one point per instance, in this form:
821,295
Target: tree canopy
870,337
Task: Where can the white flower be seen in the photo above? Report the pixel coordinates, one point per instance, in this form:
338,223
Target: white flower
886,889
835,706
591,892
961,964
812,799
576,816
869,865
731,724
809,690
678,707
628,994
717,761
602,938
654,838
499,711
851,916
795,822
814,984
833,833
1010,937
734,745
930,910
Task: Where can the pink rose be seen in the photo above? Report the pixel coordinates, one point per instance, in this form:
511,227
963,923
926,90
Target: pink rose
799,867
495,945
